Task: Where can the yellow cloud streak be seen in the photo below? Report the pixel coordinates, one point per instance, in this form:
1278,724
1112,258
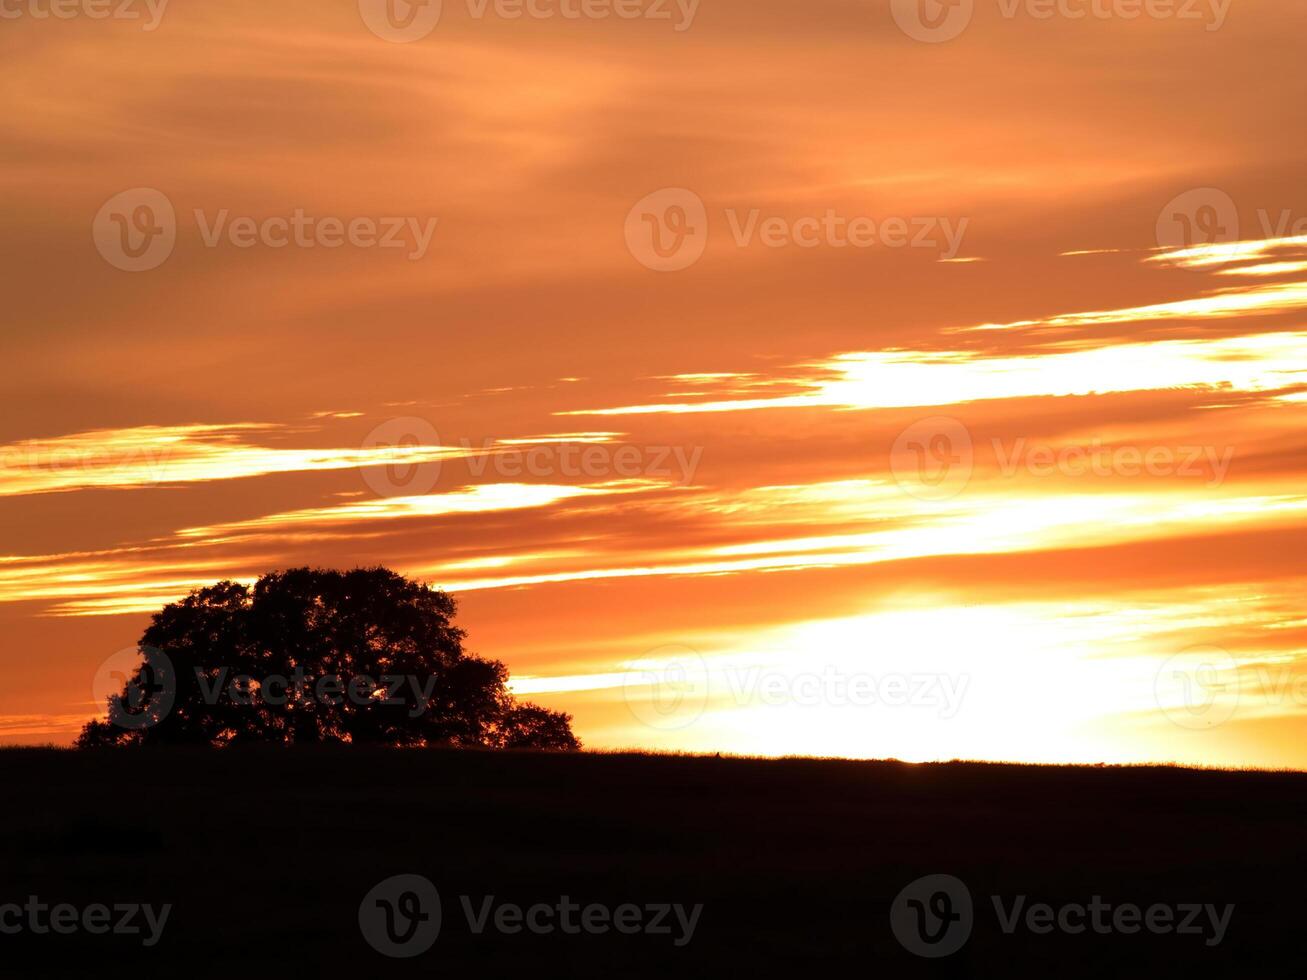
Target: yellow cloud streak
123,581
158,455
469,500
1266,299
908,378
151,455
981,524
1225,253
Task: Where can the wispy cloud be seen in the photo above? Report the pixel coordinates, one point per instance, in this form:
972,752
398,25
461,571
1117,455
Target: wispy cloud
479,499
906,378
157,455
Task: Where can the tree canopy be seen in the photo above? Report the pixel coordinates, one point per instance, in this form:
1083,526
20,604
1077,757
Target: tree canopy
311,655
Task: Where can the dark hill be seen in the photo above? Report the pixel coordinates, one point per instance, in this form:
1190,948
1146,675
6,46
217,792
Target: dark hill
266,855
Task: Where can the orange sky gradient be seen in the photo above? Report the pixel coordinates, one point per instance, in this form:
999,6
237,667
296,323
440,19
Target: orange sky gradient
1008,493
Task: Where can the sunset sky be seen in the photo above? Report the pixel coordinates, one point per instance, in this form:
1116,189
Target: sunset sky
834,377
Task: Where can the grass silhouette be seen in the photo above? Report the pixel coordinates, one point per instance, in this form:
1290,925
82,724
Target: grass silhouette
266,853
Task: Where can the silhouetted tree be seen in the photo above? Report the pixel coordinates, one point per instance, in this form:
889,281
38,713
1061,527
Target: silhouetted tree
308,655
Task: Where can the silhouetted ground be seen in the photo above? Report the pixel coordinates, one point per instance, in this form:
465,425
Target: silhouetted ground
266,856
